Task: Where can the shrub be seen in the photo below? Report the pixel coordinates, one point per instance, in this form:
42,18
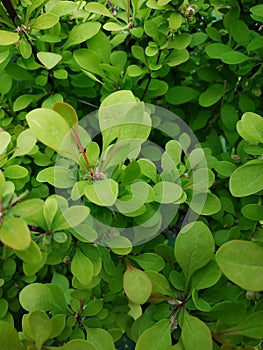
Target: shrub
117,227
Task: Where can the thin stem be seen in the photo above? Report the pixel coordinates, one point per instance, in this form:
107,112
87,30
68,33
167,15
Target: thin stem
150,77
77,139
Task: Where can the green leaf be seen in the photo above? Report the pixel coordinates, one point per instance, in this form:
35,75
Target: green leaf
251,327
51,129
56,176
31,255
134,71
9,337
160,284
5,140
72,217
98,8
225,168
206,277
149,261
177,57
242,263
49,59
195,334
175,20
82,32
88,60
167,192
25,143
251,127
133,202
119,244
103,192
58,323
233,57
194,247
15,233
64,8
82,267
137,285
45,21
114,27
22,102
67,112
79,344
216,50
37,326
36,296
2,185
208,205
253,211
247,179
8,38
180,94
212,95
16,172
228,312
157,337
257,12
100,338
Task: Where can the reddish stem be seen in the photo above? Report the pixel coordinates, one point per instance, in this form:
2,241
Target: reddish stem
77,139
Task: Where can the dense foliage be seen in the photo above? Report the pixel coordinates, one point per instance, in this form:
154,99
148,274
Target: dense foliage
117,228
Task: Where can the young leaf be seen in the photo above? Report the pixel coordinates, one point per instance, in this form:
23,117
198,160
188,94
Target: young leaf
242,263
103,192
100,338
58,323
2,185
5,139
67,112
82,267
72,217
9,337
49,59
167,192
194,247
45,21
22,102
137,285
25,143
37,326
16,172
48,126
36,296
157,337
247,179
99,9
149,261
15,233
195,334
8,38
82,32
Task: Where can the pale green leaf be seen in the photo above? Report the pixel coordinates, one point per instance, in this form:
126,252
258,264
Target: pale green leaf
15,233
242,263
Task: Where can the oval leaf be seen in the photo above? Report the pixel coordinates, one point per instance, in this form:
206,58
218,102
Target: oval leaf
15,233
242,263
195,334
103,193
157,337
194,247
137,285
